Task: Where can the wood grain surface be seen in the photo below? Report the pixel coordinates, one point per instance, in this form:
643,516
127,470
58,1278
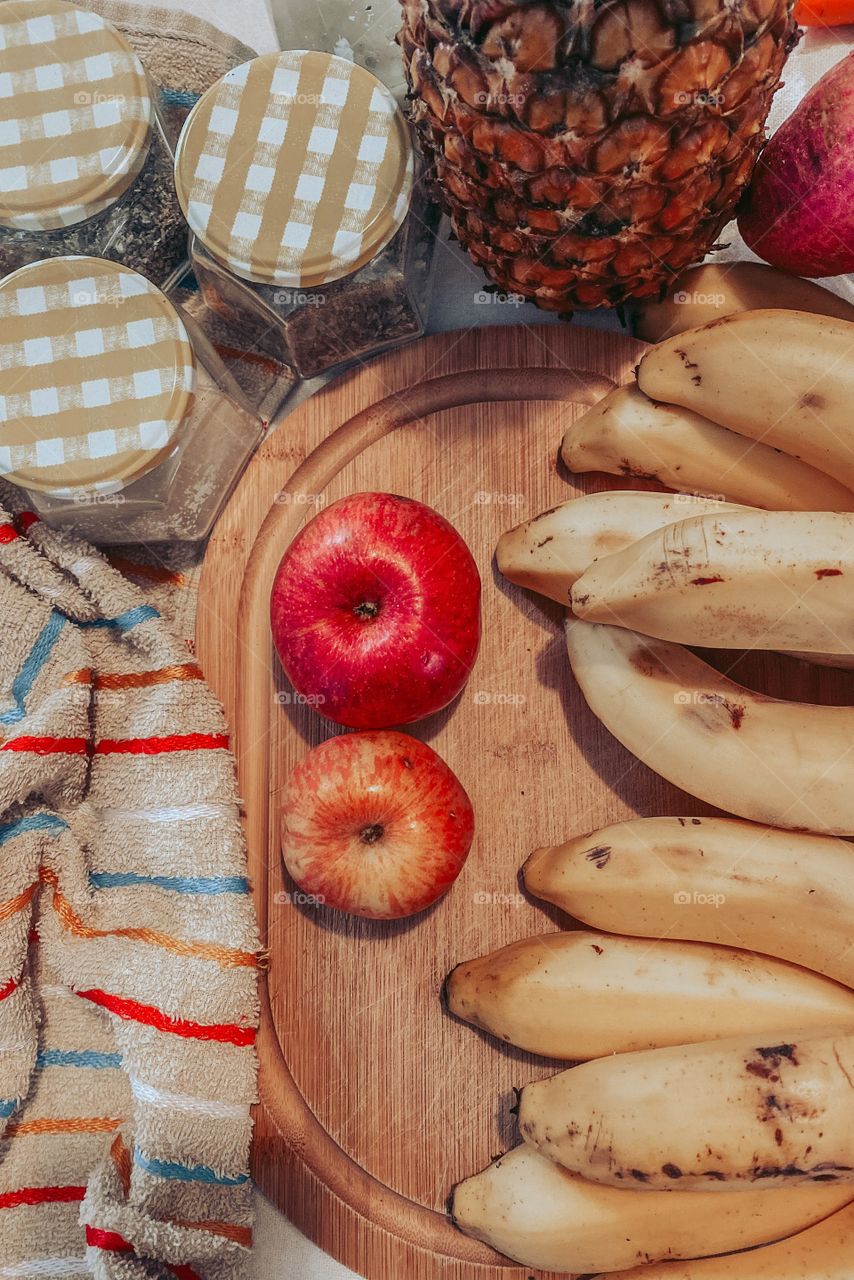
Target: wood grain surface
374,1101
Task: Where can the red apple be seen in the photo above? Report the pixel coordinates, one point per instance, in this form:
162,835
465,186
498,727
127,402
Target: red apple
376,611
375,824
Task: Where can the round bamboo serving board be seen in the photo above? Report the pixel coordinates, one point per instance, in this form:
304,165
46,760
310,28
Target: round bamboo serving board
374,1101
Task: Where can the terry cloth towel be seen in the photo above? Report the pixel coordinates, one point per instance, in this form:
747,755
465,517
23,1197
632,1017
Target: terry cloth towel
128,943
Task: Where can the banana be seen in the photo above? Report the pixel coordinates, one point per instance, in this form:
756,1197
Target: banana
785,378
732,580
785,764
717,289
822,1252
536,1213
585,995
550,553
547,554
715,880
747,1112
628,434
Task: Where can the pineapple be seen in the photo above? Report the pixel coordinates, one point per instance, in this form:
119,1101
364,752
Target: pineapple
587,151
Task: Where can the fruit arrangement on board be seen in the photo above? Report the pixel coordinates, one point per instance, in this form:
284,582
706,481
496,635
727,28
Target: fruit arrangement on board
706,1128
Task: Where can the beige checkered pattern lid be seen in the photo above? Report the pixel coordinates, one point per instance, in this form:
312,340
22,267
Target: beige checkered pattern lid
97,376
75,114
296,168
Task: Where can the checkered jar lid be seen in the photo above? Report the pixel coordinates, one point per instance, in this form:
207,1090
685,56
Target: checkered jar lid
75,114
97,376
295,168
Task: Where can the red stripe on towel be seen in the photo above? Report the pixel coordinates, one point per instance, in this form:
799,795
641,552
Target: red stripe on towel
108,1240
155,746
48,746
8,533
26,519
41,1195
8,988
133,1011
112,1242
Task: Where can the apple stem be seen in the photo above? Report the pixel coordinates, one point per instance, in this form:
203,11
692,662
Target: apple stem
372,833
366,610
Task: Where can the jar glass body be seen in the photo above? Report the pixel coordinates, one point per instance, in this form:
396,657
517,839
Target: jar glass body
316,331
143,228
180,498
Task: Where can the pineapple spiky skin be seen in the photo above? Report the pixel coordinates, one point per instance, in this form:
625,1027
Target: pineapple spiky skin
587,151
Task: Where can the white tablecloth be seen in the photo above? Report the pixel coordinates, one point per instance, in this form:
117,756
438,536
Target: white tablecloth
281,1252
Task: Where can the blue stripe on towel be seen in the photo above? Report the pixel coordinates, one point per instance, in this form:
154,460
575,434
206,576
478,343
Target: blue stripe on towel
177,884
35,660
179,97
78,1058
32,822
186,1173
125,621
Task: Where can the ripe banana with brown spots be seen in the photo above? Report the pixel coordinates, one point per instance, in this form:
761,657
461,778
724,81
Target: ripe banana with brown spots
785,764
781,893
549,553
629,434
536,1213
822,1252
754,1111
785,378
586,995
732,580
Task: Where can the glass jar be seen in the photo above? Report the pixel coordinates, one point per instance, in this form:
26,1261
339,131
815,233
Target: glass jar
87,168
297,175
117,416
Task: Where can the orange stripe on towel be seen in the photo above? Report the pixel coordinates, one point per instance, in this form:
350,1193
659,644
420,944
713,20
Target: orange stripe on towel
151,572
76,1124
14,905
84,676
146,679
121,1159
250,357
226,957
228,1230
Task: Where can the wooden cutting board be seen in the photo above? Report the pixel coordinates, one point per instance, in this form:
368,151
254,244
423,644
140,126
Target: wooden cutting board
374,1102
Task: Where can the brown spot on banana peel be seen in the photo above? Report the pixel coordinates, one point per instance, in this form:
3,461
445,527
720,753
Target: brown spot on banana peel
600,856
776,1053
828,573
546,541
812,400
626,469
705,582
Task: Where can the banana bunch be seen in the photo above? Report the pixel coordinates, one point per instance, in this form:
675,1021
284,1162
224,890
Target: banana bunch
706,1131
719,1081
748,416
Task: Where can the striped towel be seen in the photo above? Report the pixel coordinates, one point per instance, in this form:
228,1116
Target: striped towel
128,944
